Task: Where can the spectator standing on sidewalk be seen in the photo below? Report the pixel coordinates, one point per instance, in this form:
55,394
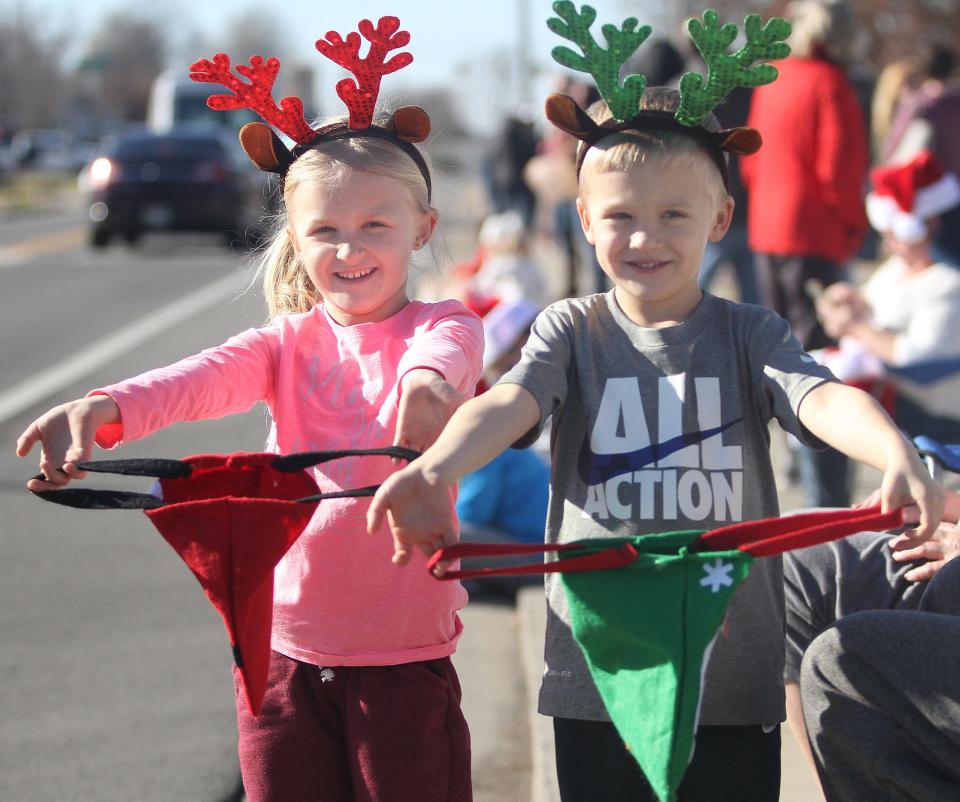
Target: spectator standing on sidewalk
805,217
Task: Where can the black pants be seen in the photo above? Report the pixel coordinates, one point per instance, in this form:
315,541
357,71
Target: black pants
730,764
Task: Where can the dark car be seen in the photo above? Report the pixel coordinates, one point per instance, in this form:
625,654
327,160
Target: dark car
182,180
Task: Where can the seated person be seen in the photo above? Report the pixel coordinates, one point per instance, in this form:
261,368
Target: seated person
880,692
908,312
501,266
825,583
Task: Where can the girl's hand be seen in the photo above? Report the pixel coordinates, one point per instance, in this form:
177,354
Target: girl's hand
426,403
417,506
66,434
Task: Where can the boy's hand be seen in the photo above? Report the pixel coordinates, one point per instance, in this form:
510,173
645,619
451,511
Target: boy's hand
426,403
66,434
419,510
906,483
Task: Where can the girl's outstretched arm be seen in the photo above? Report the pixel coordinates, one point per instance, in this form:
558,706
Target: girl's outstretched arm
415,501
66,435
426,403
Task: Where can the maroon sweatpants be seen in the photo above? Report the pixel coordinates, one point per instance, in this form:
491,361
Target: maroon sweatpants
356,734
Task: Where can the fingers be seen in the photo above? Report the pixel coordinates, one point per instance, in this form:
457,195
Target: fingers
376,511
908,486
905,550
54,480
441,568
27,440
401,553
931,513
911,515
403,549
924,572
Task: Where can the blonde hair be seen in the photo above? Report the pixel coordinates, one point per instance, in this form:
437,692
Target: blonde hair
624,149
286,286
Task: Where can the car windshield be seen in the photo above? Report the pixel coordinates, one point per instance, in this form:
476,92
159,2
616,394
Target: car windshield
170,149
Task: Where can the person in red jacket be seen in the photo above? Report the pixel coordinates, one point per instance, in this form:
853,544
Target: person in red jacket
805,217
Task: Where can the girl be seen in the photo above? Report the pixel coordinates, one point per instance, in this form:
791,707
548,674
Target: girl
362,702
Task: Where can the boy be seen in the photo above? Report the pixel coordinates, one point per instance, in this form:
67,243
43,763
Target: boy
660,396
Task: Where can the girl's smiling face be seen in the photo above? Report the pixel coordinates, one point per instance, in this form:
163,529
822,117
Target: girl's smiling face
355,239
650,224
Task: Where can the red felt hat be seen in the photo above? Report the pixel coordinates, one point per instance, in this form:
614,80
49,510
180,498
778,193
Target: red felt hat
905,195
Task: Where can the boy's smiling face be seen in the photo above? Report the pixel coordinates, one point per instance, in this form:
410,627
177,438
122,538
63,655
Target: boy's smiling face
650,223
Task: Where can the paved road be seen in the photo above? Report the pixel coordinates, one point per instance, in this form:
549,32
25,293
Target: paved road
115,671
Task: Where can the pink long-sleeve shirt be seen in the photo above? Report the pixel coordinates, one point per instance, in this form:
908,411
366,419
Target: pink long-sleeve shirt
338,600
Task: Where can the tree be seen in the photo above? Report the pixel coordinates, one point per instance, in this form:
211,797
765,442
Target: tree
32,89
251,32
132,52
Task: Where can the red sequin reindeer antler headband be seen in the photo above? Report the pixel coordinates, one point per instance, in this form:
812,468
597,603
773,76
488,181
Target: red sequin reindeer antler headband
404,128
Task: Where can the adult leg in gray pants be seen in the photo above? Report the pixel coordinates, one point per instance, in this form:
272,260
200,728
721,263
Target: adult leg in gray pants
881,698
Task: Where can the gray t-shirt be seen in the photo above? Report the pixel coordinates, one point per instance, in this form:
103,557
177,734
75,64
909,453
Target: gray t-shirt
658,430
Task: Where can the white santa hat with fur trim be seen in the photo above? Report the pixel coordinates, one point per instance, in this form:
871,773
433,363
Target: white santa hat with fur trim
906,195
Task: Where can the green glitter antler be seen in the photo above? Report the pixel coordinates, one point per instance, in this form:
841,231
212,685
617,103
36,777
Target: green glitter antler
728,71
603,64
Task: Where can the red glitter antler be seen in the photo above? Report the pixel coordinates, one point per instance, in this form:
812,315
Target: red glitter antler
361,95
256,95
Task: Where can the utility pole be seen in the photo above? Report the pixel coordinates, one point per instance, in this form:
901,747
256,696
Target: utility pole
523,65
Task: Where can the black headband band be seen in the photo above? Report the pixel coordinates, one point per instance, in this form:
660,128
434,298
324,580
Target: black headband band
340,130
710,141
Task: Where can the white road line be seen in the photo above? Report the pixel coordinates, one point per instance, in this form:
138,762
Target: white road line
57,376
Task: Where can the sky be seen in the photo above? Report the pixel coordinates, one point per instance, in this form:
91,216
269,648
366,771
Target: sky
477,46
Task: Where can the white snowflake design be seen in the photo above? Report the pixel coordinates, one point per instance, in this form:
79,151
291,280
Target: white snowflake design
326,675
717,575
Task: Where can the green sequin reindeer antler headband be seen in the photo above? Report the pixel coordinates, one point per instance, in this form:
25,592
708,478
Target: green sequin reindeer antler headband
725,72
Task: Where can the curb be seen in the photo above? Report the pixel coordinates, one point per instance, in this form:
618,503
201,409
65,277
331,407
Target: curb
532,616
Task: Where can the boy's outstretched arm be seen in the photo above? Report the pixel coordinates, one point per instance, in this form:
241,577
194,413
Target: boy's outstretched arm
851,421
66,434
415,501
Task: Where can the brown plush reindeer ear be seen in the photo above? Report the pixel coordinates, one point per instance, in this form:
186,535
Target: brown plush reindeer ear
563,112
741,141
411,124
265,148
